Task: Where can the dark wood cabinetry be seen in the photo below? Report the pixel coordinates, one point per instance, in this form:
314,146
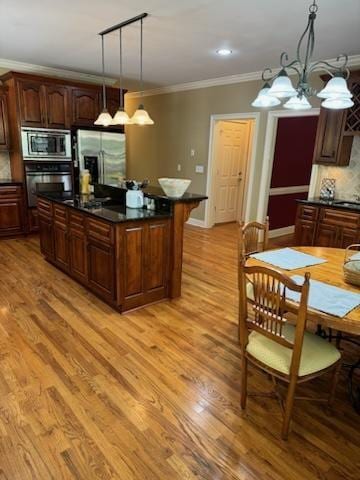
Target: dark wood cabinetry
4,122
336,129
78,246
60,231
11,210
85,104
31,103
56,98
329,227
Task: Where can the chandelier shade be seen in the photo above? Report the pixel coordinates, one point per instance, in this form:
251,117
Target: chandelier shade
104,119
141,117
335,93
121,117
298,103
264,99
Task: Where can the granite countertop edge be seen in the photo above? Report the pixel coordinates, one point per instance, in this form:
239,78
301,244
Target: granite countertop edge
330,204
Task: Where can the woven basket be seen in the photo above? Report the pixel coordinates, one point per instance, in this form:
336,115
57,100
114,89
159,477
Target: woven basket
352,265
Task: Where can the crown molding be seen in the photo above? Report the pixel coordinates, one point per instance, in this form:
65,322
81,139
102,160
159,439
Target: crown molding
13,65
354,61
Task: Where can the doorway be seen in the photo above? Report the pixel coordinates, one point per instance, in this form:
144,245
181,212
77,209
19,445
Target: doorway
230,152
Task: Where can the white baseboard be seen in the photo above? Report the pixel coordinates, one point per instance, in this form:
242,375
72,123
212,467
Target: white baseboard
196,223
278,232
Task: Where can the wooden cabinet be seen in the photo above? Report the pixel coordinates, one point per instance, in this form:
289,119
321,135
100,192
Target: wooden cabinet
336,129
31,103
56,98
78,246
45,220
33,220
11,210
101,270
60,232
326,227
4,122
85,104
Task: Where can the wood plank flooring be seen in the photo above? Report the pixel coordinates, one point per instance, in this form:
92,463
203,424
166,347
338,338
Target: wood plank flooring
86,393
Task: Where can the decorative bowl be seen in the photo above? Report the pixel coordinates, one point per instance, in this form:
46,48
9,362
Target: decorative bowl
174,187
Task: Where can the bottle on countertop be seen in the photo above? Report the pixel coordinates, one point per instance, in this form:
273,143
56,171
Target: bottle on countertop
85,180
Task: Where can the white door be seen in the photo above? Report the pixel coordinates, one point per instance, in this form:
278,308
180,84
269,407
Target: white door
231,152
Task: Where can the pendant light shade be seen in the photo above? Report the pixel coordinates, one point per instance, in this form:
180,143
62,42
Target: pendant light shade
141,116
104,119
335,88
337,103
264,100
298,103
282,86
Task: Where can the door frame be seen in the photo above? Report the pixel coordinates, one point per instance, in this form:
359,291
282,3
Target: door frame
268,158
250,167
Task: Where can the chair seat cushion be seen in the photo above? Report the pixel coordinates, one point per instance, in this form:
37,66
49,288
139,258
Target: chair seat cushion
316,355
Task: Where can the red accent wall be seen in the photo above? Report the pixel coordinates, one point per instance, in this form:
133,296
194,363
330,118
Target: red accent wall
294,147
282,209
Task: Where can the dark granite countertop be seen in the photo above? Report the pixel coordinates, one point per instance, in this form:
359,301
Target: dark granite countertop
103,208
338,204
9,181
156,192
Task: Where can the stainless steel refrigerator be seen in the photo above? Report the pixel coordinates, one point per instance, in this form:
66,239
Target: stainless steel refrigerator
103,153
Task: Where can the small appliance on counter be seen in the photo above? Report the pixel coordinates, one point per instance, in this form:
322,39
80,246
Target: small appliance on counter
327,189
134,194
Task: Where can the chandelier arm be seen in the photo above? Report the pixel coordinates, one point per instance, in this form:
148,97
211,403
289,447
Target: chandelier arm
330,68
270,77
298,49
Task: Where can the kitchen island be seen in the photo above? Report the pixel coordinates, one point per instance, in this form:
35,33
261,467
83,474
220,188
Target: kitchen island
127,257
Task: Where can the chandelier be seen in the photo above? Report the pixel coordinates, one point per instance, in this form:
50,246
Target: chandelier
335,94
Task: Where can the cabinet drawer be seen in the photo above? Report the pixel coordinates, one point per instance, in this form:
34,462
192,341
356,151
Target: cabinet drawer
101,231
307,212
44,208
76,222
340,218
10,191
60,214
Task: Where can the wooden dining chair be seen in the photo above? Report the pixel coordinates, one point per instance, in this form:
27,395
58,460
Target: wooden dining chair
253,237
286,352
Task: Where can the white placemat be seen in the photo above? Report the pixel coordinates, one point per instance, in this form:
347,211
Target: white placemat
288,258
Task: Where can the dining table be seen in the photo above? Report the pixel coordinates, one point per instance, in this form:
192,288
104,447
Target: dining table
348,327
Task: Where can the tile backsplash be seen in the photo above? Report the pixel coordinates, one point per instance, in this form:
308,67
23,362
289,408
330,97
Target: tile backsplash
347,178
5,165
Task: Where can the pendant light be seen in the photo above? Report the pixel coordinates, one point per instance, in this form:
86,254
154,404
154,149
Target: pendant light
300,102
141,116
264,99
121,117
282,86
104,119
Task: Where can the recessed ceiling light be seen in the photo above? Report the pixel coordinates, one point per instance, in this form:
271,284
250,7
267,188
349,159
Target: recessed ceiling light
224,52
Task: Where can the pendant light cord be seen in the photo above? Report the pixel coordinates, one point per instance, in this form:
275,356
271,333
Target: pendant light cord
141,59
121,72
103,70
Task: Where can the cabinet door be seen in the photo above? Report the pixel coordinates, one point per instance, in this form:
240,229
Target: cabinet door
46,237
304,232
348,237
61,251
11,216
329,137
31,102
78,255
326,235
4,124
101,270
157,256
85,106
57,106
133,274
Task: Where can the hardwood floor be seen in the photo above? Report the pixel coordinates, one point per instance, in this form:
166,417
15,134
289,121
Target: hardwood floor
87,393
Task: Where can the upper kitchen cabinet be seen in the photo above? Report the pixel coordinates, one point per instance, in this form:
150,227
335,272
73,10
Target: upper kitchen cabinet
57,106
4,127
31,103
336,129
43,105
85,103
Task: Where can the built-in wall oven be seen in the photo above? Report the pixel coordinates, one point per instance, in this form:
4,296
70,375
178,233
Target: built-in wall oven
44,172
45,144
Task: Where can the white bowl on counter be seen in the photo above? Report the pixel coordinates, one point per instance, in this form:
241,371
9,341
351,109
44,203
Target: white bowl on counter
174,187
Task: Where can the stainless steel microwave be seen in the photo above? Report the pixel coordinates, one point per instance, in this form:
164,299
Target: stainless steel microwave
46,144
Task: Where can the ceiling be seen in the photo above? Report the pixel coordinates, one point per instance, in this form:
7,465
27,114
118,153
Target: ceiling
180,36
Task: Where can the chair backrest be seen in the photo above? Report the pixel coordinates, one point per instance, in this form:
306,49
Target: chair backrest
253,237
50,187
268,306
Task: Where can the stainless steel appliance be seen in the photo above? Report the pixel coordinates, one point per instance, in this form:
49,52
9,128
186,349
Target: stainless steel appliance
46,144
55,172
103,153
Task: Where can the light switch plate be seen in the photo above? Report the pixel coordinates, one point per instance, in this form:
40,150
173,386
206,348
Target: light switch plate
199,168
179,167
